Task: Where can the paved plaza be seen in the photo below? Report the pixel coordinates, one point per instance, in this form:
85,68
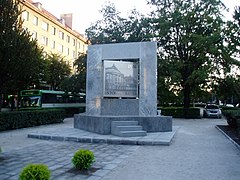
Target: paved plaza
197,151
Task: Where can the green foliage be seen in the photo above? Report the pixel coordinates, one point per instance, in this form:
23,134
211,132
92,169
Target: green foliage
21,119
35,172
77,82
21,59
57,70
74,110
83,159
191,113
228,87
113,28
81,63
109,28
232,116
190,38
195,44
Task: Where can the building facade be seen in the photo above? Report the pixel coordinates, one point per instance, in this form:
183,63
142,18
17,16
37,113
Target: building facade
53,34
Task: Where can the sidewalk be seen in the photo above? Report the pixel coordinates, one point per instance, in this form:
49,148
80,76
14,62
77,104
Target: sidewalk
19,151
198,151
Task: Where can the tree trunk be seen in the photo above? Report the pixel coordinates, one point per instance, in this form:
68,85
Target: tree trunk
1,101
186,99
1,97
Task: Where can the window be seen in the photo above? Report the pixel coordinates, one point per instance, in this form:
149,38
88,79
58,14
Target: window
73,54
61,35
74,42
68,39
35,20
60,48
44,40
83,47
52,44
34,35
25,15
53,31
45,26
67,51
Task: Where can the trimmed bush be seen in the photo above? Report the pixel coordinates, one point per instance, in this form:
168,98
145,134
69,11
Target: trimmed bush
83,159
228,108
192,113
35,172
74,110
232,116
22,119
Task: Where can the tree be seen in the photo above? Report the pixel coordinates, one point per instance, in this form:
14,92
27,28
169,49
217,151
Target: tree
77,82
113,28
58,70
20,56
195,44
81,64
109,29
228,89
191,42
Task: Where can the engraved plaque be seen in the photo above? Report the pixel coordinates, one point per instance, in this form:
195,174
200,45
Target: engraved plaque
120,78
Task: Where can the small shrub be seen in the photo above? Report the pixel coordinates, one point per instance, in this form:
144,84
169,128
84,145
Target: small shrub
83,159
35,172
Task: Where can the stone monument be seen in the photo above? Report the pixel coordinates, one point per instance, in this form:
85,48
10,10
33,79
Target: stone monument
121,92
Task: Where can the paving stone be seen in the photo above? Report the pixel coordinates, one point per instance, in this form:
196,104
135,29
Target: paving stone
15,177
101,173
4,176
93,177
57,156
110,166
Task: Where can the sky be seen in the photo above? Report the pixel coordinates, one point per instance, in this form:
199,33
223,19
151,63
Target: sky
87,11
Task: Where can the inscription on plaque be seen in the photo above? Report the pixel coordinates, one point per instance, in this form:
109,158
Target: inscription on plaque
120,78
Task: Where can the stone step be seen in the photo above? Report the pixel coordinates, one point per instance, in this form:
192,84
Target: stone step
132,133
129,128
124,123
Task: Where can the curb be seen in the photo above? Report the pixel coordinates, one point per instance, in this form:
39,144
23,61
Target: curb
116,141
228,137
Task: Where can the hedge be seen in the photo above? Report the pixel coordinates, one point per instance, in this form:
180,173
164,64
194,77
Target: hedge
192,113
232,116
74,110
223,108
22,119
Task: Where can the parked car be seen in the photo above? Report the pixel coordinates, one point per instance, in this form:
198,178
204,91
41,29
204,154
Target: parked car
212,110
229,105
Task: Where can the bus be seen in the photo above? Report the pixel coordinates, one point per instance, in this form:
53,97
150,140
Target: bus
44,99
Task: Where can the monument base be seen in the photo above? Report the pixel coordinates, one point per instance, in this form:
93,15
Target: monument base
102,124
